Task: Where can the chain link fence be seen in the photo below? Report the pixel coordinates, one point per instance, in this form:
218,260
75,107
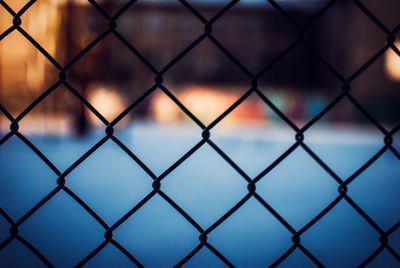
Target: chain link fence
345,92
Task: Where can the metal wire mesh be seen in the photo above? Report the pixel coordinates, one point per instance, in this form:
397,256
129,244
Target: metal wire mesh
205,139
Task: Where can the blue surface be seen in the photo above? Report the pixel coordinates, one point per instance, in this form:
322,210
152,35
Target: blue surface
205,186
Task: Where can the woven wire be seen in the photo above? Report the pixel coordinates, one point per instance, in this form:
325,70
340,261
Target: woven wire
205,139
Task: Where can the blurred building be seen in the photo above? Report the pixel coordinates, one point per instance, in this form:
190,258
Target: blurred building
23,69
253,31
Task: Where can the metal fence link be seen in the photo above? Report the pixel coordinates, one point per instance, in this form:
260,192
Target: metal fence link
206,137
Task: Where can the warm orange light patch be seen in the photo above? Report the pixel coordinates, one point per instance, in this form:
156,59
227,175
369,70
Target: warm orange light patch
392,63
107,101
207,103
163,109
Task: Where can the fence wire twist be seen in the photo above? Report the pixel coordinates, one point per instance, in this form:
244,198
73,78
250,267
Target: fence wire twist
345,92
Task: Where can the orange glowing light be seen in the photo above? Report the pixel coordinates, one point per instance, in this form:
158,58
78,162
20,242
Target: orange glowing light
392,63
163,109
206,103
107,101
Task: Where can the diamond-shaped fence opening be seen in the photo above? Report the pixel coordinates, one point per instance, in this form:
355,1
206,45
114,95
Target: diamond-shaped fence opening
205,63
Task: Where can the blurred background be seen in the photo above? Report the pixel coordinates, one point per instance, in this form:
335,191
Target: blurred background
207,82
